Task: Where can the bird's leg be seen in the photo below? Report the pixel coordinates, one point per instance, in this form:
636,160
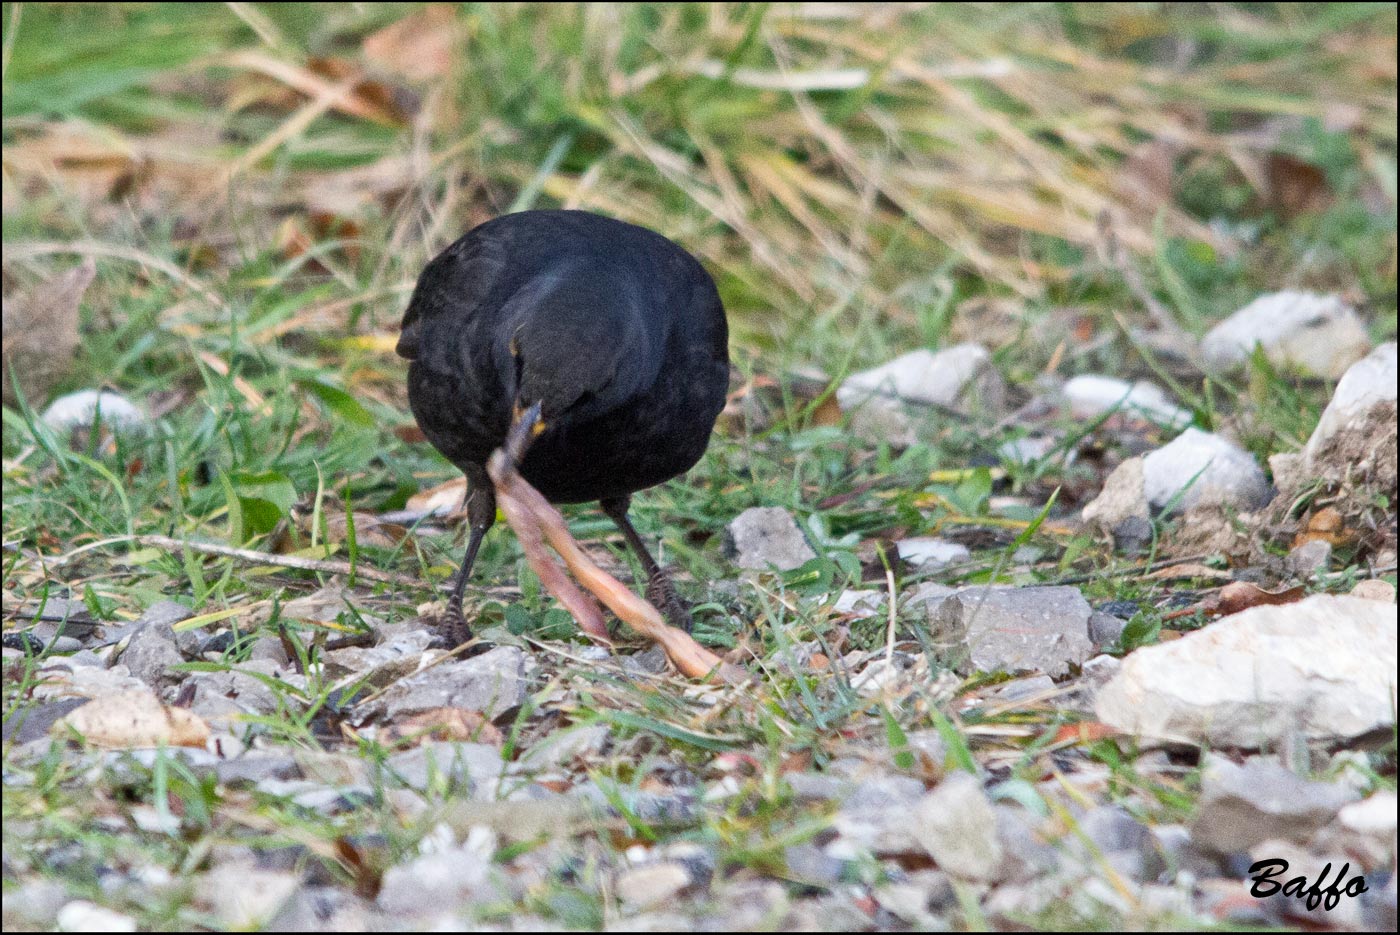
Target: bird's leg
481,515
660,590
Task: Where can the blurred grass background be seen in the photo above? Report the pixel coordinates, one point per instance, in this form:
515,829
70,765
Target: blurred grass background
854,174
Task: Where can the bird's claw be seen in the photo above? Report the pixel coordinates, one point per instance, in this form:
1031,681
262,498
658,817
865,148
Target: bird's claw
661,593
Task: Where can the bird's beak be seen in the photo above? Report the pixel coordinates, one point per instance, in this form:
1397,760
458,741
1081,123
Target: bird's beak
526,427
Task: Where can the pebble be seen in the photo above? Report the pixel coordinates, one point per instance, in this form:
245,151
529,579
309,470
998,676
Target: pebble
960,378
1319,334
1091,396
1323,666
930,552
1311,558
1203,469
1034,629
762,537
493,683
956,824
82,409
1105,629
449,765
243,897
1242,806
649,886
83,916
438,883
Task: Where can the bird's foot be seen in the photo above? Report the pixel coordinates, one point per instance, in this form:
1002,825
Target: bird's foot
453,630
661,593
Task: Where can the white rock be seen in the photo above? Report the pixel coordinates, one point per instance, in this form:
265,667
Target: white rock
764,536
1212,470
861,603
82,409
1323,667
1319,334
1091,395
931,551
1369,382
946,378
955,823
83,916
1124,497
652,885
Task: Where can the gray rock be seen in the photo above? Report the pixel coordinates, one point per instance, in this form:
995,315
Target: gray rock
874,816
1128,845
269,648
222,697
242,897
928,596
810,864
493,683
956,824
32,722
1364,831
321,909
764,537
1091,396
1319,334
33,903
1123,498
930,552
561,749
861,604
1311,558
1132,535
448,766
651,885
253,766
150,654
163,615
1104,629
1205,470
437,883
1241,806
1023,688
1037,629
315,795
377,666
1026,853
1323,667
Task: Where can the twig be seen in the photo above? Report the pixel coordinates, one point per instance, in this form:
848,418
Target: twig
327,566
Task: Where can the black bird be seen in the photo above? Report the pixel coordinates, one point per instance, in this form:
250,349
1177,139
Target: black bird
602,344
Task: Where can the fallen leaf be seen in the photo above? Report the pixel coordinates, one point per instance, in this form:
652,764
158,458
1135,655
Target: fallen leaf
444,499
1297,187
1326,525
40,329
442,724
1083,732
133,719
417,47
1242,595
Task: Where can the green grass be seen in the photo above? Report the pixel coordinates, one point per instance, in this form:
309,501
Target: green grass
953,192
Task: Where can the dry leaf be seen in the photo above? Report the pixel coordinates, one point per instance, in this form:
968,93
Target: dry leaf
41,333
1326,525
444,499
133,719
1297,187
1241,595
417,47
442,724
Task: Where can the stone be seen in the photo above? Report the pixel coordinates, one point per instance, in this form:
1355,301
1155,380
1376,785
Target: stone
243,897
956,824
444,882
1356,433
874,815
82,410
1323,667
761,538
1374,589
928,596
449,765
224,697
652,885
1105,629
1123,497
1125,843
1311,558
960,378
1364,830
1091,396
253,766
1023,688
860,604
927,552
83,916
493,683
1203,469
1318,334
807,863
1027,855
562,749
150,654
1035,629
1242,806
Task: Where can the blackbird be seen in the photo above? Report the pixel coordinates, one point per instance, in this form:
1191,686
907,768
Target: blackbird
599,348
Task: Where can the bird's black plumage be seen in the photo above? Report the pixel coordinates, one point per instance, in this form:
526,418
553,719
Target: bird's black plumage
614,331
